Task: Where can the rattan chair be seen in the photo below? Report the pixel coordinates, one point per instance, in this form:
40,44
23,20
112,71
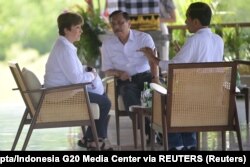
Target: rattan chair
158,112
200,98
244,90
116,101
64,106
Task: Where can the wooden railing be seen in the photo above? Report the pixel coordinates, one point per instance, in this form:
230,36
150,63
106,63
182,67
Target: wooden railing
183,27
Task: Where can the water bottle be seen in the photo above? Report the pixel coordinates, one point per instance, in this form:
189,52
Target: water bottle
143,97
145,86
147,95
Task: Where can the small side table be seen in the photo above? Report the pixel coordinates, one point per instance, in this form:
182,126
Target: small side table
138,116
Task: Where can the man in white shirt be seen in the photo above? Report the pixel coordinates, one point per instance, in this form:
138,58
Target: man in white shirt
63,67
202,46
120,58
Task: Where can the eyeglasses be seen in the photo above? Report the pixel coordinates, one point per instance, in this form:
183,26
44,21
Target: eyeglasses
119,23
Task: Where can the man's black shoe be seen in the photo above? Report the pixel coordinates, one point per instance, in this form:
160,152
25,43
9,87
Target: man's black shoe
193,148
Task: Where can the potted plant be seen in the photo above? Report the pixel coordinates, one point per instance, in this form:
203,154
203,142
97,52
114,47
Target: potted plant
94,25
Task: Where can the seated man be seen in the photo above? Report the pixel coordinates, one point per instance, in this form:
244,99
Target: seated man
120,58
202,46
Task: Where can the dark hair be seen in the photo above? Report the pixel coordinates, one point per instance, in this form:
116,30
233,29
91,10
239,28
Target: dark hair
200,11
124,14
68,19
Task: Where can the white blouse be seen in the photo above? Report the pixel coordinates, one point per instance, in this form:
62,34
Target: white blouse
63,67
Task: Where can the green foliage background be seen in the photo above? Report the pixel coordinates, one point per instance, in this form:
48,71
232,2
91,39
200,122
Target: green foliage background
31,24
88,46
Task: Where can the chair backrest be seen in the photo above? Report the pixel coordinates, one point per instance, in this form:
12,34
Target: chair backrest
112,92
27,80
109,83
243,69
201,95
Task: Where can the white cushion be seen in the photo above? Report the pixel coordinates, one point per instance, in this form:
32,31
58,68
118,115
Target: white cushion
95,110
32,83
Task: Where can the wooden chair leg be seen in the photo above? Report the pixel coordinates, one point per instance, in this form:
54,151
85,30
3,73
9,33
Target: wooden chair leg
223,140
117,128
135,127
245,91
142,130
20,128
95,136
164,133
198,140
27,138
238,133
152,138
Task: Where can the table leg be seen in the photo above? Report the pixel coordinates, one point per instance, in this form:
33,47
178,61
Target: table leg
135,127
142,121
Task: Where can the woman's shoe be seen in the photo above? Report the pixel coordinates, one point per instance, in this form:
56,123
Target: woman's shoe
105,146
81,143
90,145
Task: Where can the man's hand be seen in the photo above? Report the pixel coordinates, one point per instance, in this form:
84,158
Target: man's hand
177,47
124,76
150,54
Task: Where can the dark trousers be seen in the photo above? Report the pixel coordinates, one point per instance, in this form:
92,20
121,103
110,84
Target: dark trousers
131,91
101,123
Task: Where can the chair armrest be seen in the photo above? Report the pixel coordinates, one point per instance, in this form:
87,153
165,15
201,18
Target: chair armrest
106,79
61,93
245,62
33,90
56,89
158,88
66,87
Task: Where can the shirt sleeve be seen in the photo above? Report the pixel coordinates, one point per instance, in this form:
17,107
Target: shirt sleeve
186,52
149,42
72,68
185,55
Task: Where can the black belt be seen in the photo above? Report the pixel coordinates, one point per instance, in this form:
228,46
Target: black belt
138,78
140,74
